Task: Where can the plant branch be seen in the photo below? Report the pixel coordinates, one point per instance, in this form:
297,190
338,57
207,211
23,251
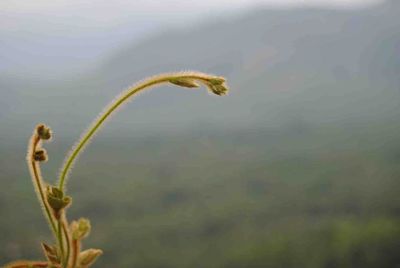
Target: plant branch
184,79
27,264
34,169
64,224
75,252
60,240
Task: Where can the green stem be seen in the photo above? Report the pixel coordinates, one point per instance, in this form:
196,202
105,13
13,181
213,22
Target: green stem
146,84
75,252
64,224
60,240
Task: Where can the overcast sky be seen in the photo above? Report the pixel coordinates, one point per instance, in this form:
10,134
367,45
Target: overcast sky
84,30
41,5
104,10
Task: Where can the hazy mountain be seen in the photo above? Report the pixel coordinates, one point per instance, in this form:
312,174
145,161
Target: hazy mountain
284,66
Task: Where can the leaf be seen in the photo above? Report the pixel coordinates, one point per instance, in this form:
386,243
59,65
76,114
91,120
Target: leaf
88,257
50,253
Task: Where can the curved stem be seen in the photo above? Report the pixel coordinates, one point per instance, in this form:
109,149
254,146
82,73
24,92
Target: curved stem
60,239
38,181
64,224
146,84
25,264
76,247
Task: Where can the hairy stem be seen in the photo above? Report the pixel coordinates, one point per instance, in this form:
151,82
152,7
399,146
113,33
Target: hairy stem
75,252
146,84
27,264
64,224
38,181
60,240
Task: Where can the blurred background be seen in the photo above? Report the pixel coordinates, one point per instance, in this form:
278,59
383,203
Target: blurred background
298,166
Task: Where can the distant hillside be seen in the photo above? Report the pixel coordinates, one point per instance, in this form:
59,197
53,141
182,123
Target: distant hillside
284,66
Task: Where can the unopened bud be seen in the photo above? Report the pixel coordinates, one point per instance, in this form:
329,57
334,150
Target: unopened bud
217,80
43,132
80,229
57,200
184,82
40,155
218,89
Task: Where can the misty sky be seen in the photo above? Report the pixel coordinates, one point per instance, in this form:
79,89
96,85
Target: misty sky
52,5
75,32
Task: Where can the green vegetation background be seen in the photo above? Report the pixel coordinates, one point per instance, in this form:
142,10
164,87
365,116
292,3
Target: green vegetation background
313,198
298,167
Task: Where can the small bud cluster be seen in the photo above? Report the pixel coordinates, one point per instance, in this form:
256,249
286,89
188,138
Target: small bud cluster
217,85
80,229
57,200
40,155
42,132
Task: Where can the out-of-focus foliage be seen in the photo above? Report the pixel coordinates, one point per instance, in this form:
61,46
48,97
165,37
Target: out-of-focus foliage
315,198
298,167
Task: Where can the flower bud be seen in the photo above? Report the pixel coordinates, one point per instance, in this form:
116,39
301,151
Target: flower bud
217,80
184,82
57,200
43,132
80,229
40,155
218,89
